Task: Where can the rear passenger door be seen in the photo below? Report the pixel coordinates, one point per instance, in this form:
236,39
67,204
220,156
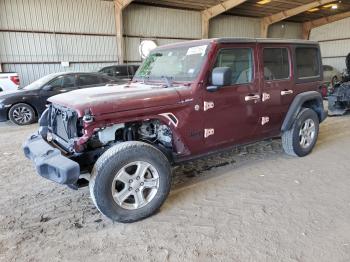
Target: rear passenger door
88,80
60,84
277,86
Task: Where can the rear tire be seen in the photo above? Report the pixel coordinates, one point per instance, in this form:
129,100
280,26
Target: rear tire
22,114
130,181
302,137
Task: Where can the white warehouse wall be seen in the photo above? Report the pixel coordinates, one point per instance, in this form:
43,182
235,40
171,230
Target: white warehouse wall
165,25
37,35
334,40
236,26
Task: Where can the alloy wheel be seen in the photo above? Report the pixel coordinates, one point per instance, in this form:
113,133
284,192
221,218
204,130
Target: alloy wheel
22,115
135,185
307,133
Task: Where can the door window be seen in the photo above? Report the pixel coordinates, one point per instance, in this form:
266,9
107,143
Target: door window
276,63
240,60
307,61
108,71
56,83
121,71
88,80
69,81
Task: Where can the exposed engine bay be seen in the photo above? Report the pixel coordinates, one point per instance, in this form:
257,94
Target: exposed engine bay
152,131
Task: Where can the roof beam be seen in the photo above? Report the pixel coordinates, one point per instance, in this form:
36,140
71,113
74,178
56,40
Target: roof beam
308,26
119,6
216,10
269,20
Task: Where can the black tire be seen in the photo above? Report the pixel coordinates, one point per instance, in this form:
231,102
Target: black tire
27,117
291,139
114,160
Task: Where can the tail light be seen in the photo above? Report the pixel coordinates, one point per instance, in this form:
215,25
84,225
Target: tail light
15,80
324,90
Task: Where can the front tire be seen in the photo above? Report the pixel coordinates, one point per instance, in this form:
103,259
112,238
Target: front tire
302,137
22,114
130,181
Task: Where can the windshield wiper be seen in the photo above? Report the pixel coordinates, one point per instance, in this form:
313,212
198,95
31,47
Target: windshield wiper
168,80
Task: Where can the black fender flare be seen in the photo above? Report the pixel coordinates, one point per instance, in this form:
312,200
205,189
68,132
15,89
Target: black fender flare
301,99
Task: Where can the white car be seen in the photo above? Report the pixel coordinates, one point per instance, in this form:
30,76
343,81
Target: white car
9,81
331,74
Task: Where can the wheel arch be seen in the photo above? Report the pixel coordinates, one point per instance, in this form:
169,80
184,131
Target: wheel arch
24,102
171,121
310,99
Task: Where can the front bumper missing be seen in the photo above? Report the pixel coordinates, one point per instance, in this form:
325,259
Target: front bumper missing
49,161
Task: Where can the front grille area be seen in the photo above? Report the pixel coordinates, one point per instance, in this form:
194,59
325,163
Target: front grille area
63,125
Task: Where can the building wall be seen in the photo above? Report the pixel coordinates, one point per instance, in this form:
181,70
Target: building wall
334,40
165,25
37,35
234,26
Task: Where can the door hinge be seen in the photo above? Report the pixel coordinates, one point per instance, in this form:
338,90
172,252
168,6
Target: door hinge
208,105
208,132
265,97
265,120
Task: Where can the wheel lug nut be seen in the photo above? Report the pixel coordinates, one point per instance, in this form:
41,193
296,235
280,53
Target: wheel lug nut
137,190
130,188
130,181
138,178
141,184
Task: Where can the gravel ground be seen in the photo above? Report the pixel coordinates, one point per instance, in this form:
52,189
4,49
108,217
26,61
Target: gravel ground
249,204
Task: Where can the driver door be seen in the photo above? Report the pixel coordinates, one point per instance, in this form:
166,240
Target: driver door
232,113
59,85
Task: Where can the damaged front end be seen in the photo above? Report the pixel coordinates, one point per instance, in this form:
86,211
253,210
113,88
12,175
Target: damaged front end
60,126
53,148
68,145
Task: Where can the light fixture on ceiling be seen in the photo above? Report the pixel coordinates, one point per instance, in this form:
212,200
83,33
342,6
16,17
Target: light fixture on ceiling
332,6
263,2
313,10
145,47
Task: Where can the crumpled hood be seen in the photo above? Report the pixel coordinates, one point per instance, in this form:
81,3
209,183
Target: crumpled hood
115,98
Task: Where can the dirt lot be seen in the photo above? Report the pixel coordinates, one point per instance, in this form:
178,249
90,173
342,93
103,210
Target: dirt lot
250,204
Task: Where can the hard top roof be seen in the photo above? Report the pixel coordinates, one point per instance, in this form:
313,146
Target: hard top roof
233,40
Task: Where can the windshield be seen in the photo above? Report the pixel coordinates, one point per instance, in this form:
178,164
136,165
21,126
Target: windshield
40,82
180,63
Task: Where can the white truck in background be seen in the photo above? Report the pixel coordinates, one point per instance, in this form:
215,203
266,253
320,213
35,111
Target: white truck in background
9,81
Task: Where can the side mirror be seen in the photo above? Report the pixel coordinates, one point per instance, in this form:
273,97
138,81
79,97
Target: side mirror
47,88
221,76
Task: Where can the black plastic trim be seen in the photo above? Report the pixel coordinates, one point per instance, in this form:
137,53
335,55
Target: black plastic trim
49,161
298,102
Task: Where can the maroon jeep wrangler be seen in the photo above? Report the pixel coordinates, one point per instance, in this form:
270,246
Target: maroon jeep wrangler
186,100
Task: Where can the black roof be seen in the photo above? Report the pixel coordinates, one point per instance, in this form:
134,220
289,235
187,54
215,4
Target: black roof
264,40
239,40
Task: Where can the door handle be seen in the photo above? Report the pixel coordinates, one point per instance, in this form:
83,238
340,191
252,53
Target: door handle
252,98
286,92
